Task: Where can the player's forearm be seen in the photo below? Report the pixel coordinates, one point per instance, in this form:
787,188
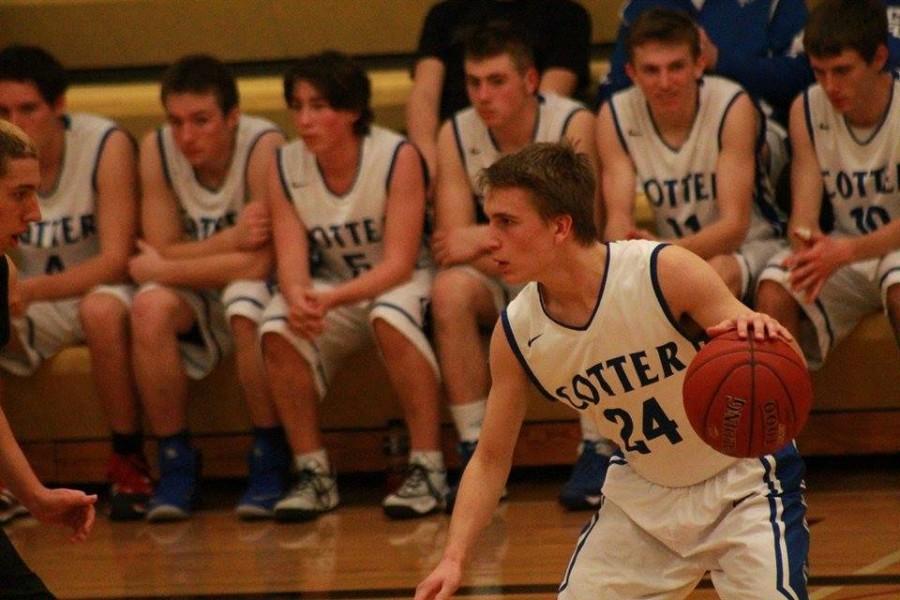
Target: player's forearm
372,283
218,243
216,271
422,125
618,224
715,239
880,242
15,472
77,280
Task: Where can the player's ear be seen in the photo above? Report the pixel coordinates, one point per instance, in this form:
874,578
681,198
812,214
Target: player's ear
233,116
881,56
562,227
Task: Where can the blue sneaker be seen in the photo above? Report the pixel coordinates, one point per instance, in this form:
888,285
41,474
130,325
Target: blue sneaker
582,490
269,465
466,450
176,493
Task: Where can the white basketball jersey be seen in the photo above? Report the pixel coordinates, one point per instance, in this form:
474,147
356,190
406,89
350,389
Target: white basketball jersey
479,151
680,183
206,211
861,176
626,366
67,232
347,230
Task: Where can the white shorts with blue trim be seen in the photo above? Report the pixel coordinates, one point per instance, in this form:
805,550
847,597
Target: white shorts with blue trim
48,327
348,328
851,293
746,526
752,258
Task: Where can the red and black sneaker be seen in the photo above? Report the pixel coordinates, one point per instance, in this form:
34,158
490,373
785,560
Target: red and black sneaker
129,487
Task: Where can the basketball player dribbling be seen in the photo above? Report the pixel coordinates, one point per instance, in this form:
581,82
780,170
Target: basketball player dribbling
673,508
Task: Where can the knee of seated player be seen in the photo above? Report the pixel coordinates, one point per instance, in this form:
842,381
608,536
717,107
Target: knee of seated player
729,270
102,315
393,344
245,331
158,313
773,299
280,357
455,295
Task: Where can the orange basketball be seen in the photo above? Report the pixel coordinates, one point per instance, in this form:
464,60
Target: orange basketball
747,398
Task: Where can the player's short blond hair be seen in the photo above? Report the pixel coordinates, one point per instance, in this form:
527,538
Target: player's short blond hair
14,143
559,180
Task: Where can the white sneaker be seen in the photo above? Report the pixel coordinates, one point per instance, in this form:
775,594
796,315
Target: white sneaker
423,492
10,507
314,493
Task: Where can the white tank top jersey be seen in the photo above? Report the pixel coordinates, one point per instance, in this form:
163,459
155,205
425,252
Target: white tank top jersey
625,366
347,230
206,211
67,232
861,175
680,183
478,150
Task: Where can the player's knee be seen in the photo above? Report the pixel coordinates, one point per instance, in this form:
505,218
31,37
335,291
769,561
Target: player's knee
102,314
728,269
451,296
153,315
772,298
279,355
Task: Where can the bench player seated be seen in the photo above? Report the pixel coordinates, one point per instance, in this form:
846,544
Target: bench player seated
354,193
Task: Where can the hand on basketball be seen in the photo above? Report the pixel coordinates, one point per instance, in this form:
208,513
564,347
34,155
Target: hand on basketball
254,226
147,265
811,267
442,582
459,245
760,325
70,508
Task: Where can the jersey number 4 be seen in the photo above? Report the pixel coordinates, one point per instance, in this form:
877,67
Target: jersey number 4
654,423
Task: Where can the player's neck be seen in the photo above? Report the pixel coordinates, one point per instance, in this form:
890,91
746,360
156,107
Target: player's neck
519,131
674,126
878,99
52,154
339,164
571,290
213,174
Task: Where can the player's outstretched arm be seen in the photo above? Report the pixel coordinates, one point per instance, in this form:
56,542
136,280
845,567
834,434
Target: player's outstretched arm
487,471
70,508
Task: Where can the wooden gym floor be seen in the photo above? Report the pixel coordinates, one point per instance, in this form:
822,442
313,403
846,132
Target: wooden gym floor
356,553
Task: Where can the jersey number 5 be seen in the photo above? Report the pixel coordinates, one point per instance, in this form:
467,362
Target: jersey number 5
654,423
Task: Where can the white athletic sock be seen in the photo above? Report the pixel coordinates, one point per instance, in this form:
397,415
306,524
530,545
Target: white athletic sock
317,458
468,419
433,460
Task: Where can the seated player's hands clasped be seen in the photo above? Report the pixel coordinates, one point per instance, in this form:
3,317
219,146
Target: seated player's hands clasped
812,265
761,325
306,313
70,508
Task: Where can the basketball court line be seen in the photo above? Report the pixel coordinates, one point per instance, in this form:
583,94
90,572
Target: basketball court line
875,567
835,583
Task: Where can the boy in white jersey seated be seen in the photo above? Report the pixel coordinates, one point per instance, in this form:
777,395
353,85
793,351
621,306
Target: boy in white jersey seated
673,507
353,193
691,144
845,131
73,260
203,264
506,114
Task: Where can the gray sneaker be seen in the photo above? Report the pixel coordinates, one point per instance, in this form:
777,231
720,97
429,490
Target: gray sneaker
314,493
423,492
